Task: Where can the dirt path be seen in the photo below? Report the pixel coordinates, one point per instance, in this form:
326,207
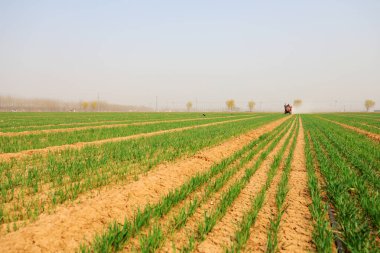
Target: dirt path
373,136
79,145
70,224
222,235
296,227
73,129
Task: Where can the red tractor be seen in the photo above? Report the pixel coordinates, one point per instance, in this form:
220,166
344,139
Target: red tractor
288,109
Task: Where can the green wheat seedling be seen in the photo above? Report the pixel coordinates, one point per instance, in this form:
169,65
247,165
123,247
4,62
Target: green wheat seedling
228,197
73,172
249,218
174,197
353,215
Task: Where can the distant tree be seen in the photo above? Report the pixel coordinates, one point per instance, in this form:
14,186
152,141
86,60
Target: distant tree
189,105
251,105
369,104
297,102
84,105
230,104
94,105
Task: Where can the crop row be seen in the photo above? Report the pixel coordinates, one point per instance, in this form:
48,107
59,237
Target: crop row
370,125
351,184
54,121
210,181
31,185
29,121
10,144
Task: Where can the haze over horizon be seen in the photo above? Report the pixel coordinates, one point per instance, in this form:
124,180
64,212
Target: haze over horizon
326,53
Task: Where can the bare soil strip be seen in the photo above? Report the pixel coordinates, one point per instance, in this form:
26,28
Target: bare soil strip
165,221
65,229
79,145
73,129
295,233
222,236
258,239
373,136
180,238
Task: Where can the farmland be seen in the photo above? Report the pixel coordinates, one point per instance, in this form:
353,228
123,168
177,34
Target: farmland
188,182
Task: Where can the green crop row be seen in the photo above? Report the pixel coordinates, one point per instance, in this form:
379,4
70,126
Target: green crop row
61,177
10,122
357,205
36,124
10,144
242,234
362,154
369,125
282,191
322,234
117,235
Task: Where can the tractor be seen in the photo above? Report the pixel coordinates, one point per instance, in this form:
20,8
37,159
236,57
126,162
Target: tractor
288,109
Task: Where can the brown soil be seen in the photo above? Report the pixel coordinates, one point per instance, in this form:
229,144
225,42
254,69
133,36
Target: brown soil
65,229
180,238
259,231
373,136
295,234
165,221
73,129
222,235
79,145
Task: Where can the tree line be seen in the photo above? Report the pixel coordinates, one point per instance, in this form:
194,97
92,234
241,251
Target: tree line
230,104
9,104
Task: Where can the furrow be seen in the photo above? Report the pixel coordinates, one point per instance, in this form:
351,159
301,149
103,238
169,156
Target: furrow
295,234
79,145
70,225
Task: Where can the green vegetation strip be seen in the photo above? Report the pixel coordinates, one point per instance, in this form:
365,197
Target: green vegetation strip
362,154
282,191
322,234
11,122
243,233
214,186
357,210
12,144
116,236
32,185
369,125
15,131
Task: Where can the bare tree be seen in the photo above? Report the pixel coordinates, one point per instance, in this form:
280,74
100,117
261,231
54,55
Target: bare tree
369,103
297,102
189,105
251,105
230,104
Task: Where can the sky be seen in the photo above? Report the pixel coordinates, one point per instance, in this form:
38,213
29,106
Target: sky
326,53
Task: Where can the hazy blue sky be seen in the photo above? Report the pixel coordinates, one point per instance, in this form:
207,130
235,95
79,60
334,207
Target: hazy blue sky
132,51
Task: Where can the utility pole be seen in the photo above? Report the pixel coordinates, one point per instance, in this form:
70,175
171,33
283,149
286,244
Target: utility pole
156,104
